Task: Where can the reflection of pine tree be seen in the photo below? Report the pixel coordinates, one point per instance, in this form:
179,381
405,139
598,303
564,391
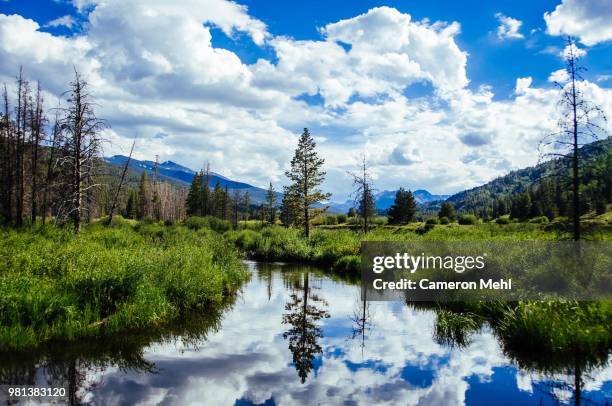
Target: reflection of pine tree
303,316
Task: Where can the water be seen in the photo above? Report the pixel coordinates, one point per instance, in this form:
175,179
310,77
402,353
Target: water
295,335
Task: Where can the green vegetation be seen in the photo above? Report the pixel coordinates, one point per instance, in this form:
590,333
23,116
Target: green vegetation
56,285
332,247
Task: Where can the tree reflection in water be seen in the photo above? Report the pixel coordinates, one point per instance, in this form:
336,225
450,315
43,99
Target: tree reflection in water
303,315
75,365
455,329
361,320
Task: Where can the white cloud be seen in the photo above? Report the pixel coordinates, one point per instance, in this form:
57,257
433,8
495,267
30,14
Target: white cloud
508,27
572,49
64,21
559,76
588,20
154,70
522,84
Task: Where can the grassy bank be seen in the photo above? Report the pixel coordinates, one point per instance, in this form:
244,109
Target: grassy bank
339,248
55,285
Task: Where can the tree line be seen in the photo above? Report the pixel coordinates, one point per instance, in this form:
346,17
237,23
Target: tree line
51,165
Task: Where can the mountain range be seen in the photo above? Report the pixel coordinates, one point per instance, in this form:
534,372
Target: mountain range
470,200
182,176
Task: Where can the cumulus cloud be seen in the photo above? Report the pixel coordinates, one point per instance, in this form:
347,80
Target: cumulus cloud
559,76
157,76
588,20
508,27
63,21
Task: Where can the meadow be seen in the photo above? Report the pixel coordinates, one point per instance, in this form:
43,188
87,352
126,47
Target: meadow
55,285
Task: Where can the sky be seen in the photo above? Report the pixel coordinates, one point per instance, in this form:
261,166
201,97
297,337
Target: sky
441,95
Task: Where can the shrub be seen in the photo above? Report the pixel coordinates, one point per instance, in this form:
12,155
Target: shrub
348,264
432,220
341,218
196,223
444,220
503,220
468,219
330,220
539,220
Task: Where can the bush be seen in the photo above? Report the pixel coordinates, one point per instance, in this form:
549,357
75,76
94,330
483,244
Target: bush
468,219
503,220
341,218
348,264
432,220
218,225
330,220
444,220
539,220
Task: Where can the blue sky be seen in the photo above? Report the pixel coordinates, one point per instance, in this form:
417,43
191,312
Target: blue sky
438,94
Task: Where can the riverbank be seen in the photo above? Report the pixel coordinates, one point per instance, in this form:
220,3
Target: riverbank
339,248
553,330
55,285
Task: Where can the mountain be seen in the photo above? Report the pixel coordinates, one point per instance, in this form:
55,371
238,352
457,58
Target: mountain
479,198
385,199
181,175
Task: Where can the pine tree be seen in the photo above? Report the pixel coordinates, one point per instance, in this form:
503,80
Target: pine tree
143,211
271,204
206,201
447,210
193,204
403,209
236,202
290,211
306,175
131,205
246,205
218,199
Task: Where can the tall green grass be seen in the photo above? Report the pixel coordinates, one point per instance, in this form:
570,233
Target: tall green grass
55,285
340,248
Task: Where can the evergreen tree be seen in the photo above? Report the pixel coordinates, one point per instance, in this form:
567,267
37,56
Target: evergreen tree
271,204
447,210
193,204
403,209
206,202
131,205
236,202
143,198
307,175
246,205
351,212
290,211
218,200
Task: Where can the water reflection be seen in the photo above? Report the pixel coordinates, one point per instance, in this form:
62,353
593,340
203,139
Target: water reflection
289,319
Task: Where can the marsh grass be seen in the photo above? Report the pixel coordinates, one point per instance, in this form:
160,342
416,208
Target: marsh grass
54,284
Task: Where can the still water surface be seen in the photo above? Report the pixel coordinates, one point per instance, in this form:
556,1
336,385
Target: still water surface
295,335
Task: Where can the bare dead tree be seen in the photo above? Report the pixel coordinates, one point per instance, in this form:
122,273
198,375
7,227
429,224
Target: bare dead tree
578,126
364,193
23,90
7,161
83,144
111,211
37,120
54,144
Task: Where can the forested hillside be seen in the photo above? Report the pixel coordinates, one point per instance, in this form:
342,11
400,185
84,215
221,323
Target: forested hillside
543,189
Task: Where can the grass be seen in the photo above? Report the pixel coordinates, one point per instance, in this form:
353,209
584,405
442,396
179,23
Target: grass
55,285
339,248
